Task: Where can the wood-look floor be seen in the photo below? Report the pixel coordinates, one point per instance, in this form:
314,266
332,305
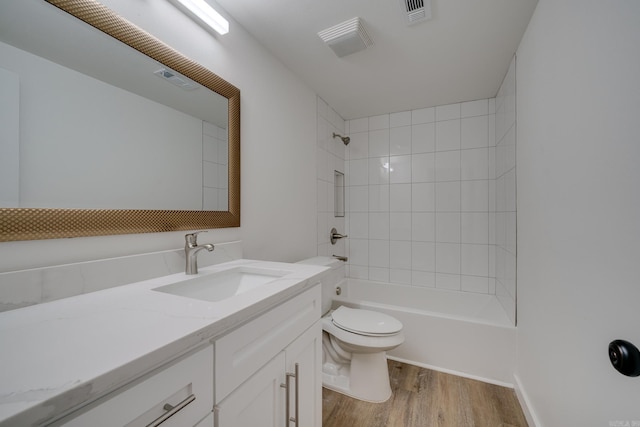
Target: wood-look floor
427,398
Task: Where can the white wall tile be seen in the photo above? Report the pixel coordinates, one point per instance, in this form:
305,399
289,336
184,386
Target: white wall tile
358,198
475,260
379,122
400,225
448,135
448,227
359,125
359,272
448,281
447,166
423,197
379,170
358,172
475,228
474,164
423,167
423,226
379,274
448,258
423,138
423,115
474,284
400,256
448,112
423,256
379,253
402,118
359,225
400,197
447,196
379,143
359,252
424,279
475,196
359,146
379,225
400,140
475,132
475,108
379,198
402,277
400,169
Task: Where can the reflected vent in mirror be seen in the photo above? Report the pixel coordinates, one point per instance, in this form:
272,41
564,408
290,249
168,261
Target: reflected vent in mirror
176,79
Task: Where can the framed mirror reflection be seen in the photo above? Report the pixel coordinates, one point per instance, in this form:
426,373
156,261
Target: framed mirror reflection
108,130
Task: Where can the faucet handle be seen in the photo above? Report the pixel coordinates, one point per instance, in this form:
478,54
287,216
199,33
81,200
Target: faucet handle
192,238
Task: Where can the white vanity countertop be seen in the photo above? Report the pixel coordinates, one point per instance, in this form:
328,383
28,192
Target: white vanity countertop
58,355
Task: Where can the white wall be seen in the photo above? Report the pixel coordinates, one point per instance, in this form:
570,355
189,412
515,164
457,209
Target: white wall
278,130
578,207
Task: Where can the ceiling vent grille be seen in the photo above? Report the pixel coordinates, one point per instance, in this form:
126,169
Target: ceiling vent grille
347,37
416,11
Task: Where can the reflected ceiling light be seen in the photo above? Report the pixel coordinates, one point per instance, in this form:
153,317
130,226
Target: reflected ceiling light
204,13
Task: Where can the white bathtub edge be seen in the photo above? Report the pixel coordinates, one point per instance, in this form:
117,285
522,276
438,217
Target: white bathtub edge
525,403
453,372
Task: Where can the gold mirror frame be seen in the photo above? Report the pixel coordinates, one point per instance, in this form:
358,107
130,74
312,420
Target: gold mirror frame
42,223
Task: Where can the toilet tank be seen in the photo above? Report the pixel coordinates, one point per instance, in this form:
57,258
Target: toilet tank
329,279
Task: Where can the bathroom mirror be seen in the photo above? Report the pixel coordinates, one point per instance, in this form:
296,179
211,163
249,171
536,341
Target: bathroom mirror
168,125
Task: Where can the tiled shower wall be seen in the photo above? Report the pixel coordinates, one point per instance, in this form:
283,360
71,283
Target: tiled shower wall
331,158
430,196
419,194
505,207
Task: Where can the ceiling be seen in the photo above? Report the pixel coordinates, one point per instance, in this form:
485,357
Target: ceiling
461,54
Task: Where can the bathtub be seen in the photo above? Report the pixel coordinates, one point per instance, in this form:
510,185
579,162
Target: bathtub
462,333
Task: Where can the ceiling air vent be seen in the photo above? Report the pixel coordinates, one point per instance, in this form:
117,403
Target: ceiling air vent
415,11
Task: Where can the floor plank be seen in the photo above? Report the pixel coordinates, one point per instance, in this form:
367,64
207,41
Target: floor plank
427,398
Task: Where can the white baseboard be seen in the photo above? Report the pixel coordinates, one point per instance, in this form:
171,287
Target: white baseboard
525,403
452,372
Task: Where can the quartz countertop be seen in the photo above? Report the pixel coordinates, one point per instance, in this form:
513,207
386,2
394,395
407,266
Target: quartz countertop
57,356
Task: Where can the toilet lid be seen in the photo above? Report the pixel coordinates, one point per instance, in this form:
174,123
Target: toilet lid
365,322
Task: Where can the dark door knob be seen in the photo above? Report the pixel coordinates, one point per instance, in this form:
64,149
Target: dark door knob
625,357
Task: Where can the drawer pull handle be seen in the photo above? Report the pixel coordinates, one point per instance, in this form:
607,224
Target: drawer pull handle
171,411
297,409
287,387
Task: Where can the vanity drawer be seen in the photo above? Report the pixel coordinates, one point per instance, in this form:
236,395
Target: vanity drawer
245,350
187,384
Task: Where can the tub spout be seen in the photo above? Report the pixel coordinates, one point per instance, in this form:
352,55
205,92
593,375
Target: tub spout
341,258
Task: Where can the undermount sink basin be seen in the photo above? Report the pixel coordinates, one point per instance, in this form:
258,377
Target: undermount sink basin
218,286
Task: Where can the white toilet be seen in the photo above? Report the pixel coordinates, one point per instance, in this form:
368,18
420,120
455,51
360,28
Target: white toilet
354,342
354,345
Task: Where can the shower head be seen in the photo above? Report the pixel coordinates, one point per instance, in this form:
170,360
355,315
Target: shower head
344,139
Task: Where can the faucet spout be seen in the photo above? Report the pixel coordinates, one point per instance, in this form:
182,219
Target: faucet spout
191,250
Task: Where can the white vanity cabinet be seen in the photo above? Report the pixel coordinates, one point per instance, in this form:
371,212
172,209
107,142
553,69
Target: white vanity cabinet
254,363
179,395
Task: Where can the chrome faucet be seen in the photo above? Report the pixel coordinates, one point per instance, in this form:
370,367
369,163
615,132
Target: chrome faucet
191,250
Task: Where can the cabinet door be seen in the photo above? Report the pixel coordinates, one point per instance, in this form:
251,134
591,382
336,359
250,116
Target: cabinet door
258,402
306,352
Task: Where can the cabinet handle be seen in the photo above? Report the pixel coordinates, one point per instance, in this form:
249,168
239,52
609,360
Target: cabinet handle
171,411
287,387
297,376
286,399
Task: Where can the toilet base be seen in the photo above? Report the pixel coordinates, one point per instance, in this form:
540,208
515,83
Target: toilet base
365,378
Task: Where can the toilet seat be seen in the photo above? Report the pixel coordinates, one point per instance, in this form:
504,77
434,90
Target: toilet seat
365,322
